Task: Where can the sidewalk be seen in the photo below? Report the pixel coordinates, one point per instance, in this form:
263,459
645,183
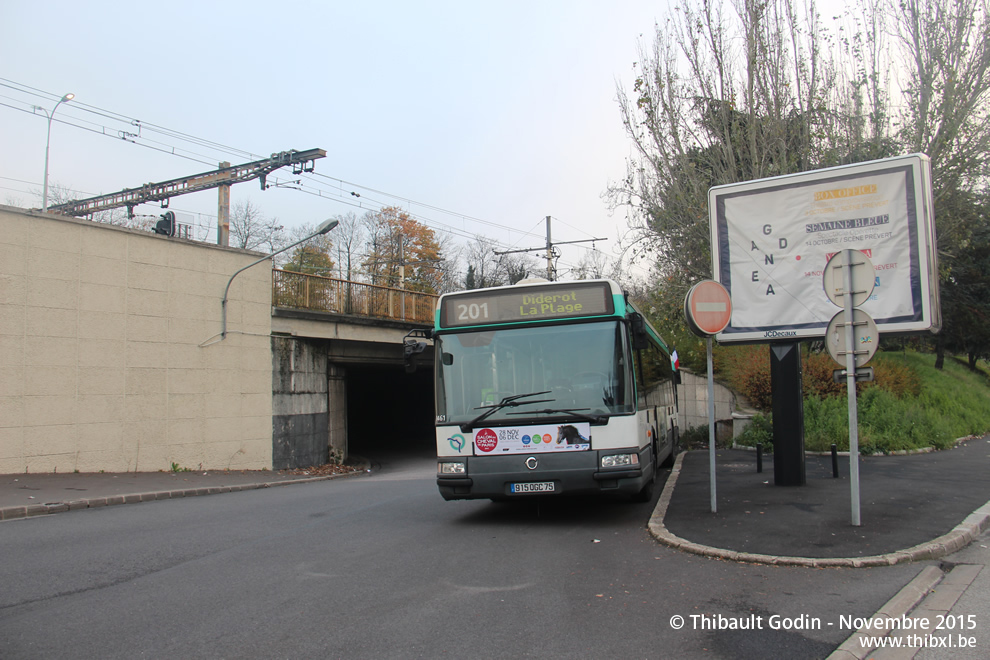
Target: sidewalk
920,506
24,495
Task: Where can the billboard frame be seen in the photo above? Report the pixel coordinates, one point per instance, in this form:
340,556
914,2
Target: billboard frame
762,230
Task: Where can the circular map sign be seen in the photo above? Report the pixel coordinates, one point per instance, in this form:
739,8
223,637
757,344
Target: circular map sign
866,338
863,277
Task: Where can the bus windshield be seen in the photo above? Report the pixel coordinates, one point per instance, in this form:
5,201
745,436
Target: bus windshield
581,367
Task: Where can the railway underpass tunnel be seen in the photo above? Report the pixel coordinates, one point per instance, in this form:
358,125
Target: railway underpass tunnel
390,412
335,399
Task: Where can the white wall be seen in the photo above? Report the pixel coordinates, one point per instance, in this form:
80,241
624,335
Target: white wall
102,358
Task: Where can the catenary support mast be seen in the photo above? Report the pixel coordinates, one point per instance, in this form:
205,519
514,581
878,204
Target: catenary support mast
222,178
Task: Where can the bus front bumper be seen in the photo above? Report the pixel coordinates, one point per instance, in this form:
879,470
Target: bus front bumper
578,473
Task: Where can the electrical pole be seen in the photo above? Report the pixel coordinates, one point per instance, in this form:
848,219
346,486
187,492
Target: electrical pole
402,265
549,252
223,211
549,249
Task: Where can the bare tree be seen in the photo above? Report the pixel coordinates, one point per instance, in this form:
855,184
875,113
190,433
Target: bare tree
945,45
484,267
595,265
251,229
443,274
730,91
347,240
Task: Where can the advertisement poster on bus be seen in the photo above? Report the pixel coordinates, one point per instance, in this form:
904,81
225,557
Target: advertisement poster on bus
532,439
772,238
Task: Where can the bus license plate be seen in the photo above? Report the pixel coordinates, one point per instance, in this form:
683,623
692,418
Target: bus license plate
532,487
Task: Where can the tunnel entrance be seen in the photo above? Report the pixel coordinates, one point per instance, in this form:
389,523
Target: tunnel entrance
389,411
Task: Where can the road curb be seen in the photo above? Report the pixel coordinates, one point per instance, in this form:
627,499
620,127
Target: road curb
905,600
960,536
32,510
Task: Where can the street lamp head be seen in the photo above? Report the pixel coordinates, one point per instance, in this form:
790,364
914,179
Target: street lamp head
327,226
68,97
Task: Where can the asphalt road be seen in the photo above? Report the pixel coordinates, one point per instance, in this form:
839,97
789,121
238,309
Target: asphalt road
381,567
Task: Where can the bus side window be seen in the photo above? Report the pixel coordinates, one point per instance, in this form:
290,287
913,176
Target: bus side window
654,377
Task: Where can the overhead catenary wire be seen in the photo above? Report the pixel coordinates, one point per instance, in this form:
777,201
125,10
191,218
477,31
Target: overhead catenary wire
134,131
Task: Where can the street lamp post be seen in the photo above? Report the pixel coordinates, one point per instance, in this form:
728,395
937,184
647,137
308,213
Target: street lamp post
48,140
322,229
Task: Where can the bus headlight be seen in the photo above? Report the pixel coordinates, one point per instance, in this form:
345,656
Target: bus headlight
620,460
452,468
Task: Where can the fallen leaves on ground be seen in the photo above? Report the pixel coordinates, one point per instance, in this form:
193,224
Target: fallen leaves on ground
321,470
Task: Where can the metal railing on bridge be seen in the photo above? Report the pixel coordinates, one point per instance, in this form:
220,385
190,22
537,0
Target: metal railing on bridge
326,294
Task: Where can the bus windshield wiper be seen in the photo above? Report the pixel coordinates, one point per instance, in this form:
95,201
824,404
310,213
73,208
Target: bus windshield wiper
575,412
507,402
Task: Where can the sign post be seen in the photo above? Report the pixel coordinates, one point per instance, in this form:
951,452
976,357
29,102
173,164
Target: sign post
855,270
708,309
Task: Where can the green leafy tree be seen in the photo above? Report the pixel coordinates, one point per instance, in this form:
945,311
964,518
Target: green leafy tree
966,290
311,260
945,47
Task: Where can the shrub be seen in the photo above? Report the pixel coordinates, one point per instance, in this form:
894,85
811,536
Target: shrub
758,432
747,369
816,377
896,377
695,437
909,405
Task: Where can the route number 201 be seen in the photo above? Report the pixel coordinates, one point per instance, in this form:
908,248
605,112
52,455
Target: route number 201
472,312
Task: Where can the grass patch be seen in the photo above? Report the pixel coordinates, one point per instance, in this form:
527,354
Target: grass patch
927,408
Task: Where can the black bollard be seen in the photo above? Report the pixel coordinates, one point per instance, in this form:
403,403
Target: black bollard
835,462
759,458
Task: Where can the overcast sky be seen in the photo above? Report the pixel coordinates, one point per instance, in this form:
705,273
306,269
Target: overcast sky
483,117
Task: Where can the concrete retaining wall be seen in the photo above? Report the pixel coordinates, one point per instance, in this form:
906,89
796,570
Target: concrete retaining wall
108,351
300,414
692,403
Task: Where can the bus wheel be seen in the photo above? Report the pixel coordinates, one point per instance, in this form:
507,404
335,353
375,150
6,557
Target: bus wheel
669,461
646,493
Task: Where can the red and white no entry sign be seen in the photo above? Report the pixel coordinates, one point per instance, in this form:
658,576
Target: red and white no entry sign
707,308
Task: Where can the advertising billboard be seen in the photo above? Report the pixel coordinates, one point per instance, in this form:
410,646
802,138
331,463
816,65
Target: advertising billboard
771,239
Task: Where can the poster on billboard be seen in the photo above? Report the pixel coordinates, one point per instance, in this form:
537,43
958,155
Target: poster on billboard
771,239
533,439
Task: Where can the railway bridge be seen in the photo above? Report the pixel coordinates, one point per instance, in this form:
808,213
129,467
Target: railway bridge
339,380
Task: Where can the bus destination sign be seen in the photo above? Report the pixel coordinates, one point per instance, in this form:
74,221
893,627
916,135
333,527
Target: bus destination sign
518,304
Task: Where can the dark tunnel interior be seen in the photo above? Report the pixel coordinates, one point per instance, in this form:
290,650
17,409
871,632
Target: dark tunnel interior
389,411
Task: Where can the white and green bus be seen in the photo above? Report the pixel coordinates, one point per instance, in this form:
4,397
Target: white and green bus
550,388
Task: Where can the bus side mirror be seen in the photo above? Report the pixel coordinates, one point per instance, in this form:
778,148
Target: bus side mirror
637,327
411,348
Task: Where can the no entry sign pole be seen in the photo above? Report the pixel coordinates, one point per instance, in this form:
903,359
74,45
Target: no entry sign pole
708,308
711,426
